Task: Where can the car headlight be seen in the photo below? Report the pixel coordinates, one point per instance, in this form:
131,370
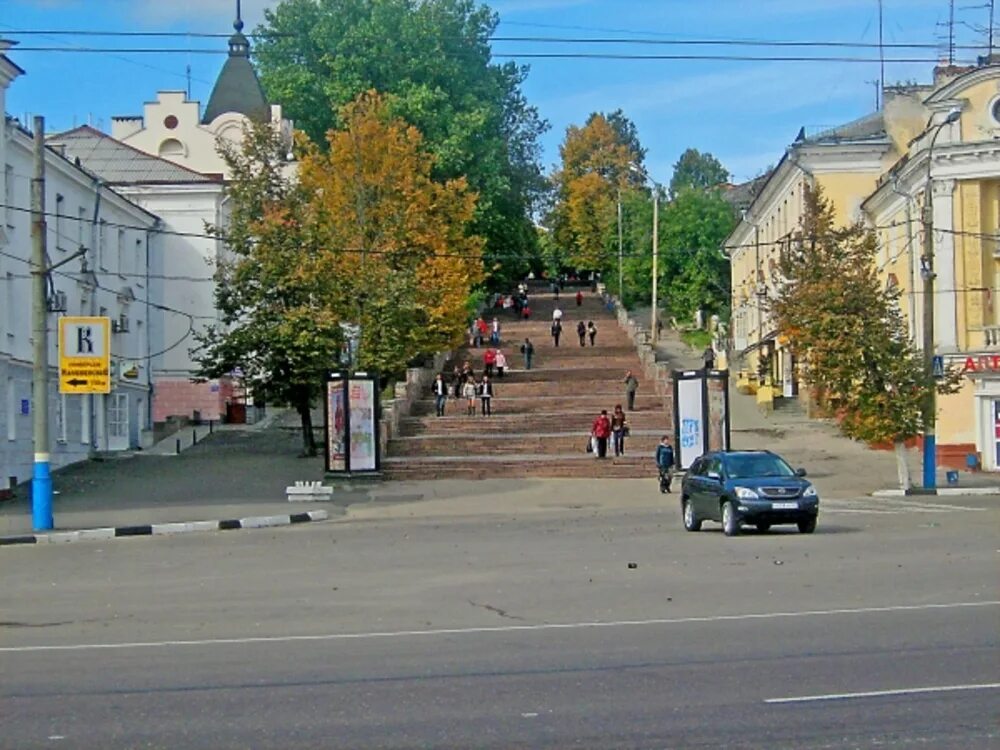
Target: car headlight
810,492
745,493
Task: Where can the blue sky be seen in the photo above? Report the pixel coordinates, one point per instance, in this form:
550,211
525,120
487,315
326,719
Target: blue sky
744,112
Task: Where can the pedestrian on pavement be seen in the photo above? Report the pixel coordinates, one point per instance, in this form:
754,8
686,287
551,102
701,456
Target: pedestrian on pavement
495,333
601,431
501,363
528,350
486,396
469,391
457,380
665,462
557,313
556,331
709,357
591,331
440,390
581,331
619,429
489,360
579,298
631,386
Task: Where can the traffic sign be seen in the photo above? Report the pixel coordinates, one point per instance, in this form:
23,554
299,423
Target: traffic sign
937,365
84,355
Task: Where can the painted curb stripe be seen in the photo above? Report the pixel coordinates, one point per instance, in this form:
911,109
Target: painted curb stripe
162,529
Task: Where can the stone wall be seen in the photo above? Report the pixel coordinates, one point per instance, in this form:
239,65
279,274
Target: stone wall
418,379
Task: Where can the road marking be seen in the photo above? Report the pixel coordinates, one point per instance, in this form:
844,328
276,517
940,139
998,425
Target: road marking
882,693
494,629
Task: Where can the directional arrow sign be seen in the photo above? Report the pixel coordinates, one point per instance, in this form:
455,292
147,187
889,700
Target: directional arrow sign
84,355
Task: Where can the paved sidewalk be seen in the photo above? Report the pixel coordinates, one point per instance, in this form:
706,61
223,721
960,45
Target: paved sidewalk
841,467
236,472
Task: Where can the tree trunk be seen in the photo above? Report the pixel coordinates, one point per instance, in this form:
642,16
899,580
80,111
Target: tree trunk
902,468
305,414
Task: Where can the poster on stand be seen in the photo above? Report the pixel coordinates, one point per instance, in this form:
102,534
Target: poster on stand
336,426
363,430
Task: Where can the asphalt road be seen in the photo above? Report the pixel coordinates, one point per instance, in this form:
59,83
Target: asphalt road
514,631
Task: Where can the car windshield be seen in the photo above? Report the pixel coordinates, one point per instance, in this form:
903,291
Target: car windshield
747,466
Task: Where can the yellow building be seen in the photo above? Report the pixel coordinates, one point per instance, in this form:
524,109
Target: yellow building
846,163
961,173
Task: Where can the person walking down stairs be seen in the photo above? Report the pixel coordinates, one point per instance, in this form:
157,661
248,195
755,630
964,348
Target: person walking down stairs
591,331
581,331
556,331
619,429
601,431
501,363
631,386
528,350
440,394
469,391
579,299
486,396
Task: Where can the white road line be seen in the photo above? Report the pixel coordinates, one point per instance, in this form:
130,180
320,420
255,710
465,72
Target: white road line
882,693
494,629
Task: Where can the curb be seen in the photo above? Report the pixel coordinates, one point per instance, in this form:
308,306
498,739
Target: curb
162,529
941,491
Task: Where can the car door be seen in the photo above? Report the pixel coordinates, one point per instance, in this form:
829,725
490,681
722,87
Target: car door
691,482
711,493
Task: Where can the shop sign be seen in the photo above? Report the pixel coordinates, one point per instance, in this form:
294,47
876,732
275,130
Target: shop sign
983,363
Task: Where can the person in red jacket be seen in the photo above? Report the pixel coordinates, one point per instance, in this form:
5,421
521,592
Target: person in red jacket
489,359
601,431
579,298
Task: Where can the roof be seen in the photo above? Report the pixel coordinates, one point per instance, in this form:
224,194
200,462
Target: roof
118,163
238,89
867,128
742,196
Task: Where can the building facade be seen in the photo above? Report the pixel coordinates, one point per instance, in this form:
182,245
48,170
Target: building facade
881,170
109,279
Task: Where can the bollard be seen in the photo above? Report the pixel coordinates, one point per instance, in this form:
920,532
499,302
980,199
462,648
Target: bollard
194,436
178,446
211,425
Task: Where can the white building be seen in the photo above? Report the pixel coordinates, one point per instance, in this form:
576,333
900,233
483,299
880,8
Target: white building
109,279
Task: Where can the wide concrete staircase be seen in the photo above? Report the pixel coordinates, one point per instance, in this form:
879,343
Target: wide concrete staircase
541,417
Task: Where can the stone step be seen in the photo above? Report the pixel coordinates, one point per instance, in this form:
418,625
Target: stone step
582,465
455,422
508,388
547,374
486,443
582,403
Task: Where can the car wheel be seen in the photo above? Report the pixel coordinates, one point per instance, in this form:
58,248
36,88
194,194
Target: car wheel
807,526
691,521
730,522
763,526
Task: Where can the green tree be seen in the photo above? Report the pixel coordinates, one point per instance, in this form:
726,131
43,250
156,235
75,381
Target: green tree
434,58
272,329
847,327
697,170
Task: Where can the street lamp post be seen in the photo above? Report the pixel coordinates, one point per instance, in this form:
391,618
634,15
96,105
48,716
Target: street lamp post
928,274
620,286
656,258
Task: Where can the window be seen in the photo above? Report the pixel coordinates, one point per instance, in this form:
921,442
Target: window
102,245
8,194
85,409
11,410
121,252
81,227
61,418
60,220
10,304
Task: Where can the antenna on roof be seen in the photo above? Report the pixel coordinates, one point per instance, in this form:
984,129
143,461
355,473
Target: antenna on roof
189,81
990,31
881,58
238,23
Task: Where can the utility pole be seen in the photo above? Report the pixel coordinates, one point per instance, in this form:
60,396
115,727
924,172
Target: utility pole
656,259
881,58
620,286
41,480
928,274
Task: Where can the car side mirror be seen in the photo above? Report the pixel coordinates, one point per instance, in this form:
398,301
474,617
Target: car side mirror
714,475
800,472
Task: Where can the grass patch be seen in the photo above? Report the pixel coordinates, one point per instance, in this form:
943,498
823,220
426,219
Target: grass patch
696,338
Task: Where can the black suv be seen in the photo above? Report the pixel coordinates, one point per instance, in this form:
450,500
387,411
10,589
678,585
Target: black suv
747,487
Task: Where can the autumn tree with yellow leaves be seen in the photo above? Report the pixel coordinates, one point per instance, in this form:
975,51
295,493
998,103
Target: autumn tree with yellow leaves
360,233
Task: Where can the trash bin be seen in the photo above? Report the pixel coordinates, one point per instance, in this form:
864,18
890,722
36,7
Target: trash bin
952,477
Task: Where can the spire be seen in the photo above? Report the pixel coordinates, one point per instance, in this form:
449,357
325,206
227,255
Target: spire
238,89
